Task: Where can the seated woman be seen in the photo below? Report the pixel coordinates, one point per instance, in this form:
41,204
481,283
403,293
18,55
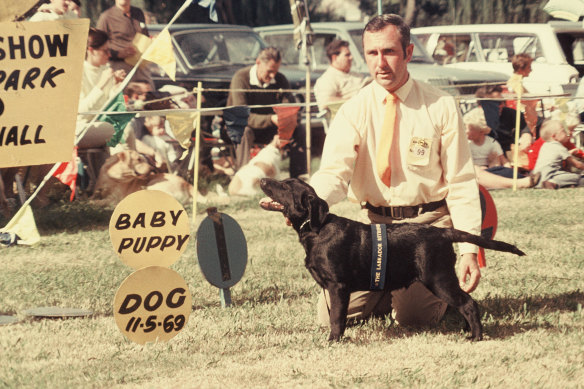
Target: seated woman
99,84
491,167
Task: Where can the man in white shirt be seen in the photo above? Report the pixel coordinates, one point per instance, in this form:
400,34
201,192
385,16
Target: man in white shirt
432,174
337,83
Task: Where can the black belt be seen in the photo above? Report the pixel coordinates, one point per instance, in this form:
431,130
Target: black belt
406,212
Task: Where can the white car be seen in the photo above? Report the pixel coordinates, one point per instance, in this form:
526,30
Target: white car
422,67
557,49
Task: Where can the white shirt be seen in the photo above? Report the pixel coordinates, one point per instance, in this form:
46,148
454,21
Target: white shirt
92,98
551,155
336,85
253,78
481,153
431,162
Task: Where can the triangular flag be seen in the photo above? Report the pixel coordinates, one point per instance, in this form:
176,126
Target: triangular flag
162,54
212,10
67,173
118,121
182,126
23,225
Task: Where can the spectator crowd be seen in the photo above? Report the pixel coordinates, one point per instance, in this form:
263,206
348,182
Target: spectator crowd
548,154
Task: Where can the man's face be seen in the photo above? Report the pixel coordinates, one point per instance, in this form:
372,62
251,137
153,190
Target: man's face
385,57
123,3
525,72
267,70
343,60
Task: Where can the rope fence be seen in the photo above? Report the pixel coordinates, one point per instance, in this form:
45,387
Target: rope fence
218,110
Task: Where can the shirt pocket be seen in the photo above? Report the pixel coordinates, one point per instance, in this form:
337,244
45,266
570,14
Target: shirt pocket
419,152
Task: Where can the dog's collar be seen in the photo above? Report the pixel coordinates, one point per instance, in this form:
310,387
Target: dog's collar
307,221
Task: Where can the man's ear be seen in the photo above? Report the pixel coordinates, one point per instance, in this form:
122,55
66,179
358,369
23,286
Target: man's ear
409,52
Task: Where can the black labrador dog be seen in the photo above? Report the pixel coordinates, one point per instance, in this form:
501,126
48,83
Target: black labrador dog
339,258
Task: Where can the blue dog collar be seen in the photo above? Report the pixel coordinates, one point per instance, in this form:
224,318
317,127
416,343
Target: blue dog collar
378,256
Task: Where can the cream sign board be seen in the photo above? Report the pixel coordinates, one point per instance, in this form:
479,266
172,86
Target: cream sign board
41,65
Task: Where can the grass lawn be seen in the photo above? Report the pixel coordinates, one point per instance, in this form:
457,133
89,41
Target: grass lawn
531,308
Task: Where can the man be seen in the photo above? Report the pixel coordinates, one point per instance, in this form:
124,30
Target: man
430,178
337,83
262,124
121,22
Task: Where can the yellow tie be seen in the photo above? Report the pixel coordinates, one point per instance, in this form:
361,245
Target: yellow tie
385,141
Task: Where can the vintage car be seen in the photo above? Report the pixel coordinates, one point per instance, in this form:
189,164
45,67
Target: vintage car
557,48
211,54
422,67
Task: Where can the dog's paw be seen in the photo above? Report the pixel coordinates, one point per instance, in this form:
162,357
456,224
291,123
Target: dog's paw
475,338
335,337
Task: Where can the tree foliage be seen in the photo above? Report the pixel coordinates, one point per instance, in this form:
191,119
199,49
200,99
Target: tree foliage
267,12
446,12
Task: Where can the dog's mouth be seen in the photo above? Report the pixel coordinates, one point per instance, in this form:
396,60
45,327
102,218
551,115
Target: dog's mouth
270,205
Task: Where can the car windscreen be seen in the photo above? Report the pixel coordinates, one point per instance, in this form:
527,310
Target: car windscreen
419,55
205,48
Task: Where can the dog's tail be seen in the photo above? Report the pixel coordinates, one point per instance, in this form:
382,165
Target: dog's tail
460,236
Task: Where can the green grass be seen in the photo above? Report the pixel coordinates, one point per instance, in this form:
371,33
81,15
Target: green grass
531,307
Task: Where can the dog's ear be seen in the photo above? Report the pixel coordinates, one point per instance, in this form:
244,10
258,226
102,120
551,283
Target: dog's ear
317,211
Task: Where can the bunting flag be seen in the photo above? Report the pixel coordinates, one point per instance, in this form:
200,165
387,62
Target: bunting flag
162,54
212,10
287,122
23,226
67,173
119,121
182,126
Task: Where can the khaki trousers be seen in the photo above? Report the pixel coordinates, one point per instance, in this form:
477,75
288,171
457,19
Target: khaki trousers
413,306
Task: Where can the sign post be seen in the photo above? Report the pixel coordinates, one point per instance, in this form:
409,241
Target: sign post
222,252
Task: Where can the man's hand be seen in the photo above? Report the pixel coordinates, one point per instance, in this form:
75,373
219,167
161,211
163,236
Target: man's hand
275,119
469,267
119,75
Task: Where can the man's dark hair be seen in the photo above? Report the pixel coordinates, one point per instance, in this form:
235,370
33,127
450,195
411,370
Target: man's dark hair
379,22
334,48
270,54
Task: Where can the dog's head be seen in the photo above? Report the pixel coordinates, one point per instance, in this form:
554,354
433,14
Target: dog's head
127,165
296,200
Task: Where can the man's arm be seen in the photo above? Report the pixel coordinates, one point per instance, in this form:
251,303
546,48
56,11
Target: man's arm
463,194
237,97
331,181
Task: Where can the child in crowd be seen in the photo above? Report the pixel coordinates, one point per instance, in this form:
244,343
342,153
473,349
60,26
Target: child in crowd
157,138
491,167
555,160
522,68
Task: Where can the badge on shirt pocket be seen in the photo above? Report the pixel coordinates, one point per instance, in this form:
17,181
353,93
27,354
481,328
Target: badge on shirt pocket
419,151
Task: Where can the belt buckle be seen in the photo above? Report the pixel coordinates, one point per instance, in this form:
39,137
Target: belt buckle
396,213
